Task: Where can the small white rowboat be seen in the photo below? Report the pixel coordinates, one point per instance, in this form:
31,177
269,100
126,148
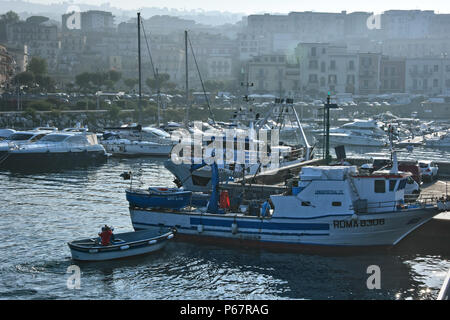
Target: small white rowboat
124,245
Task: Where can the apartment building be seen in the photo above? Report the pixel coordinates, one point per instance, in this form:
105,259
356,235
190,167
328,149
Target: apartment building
326,68
429,76
369,72
39,35
7,66
273,74
392,75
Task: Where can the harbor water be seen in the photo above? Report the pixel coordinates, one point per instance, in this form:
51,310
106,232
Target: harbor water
41,212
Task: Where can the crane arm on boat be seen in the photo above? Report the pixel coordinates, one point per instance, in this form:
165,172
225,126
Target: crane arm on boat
214,199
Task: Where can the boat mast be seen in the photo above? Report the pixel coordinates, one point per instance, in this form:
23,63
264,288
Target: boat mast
139,67
327,108
186,120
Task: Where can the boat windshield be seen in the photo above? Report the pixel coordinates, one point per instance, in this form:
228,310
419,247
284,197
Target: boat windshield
20,136
54,138
157,132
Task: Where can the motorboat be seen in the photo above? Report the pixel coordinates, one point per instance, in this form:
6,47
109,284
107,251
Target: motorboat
359,133
5,133
336,206
135,140
57,149
442,140
18,138
124,245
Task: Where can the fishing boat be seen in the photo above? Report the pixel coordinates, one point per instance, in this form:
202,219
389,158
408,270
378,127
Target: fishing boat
159,197
125,245
327,206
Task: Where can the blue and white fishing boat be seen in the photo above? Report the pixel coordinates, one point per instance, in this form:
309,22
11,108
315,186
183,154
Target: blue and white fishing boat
125,245
159,197
330,206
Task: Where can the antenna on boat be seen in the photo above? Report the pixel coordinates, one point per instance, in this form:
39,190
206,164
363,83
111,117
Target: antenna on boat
139,67
327,108
394,159
186,119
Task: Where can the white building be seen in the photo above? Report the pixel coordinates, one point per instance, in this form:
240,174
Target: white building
429,76
325,67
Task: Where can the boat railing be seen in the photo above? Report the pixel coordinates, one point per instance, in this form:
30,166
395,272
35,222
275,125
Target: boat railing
421,202
57,146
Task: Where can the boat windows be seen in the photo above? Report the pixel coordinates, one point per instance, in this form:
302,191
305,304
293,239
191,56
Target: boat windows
37,137
20,136
401,184
380,186
306,203
200,181
392,184
54,138
76,139
336,203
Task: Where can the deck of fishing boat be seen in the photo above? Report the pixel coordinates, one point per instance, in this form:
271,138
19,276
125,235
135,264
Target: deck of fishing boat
434,236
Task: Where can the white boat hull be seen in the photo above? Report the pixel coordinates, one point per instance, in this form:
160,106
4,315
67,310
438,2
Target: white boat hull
381,229
102,256
357,141
137,149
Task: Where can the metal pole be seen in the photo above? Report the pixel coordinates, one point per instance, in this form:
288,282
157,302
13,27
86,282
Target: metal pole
158,97
327,141
187,77
139,67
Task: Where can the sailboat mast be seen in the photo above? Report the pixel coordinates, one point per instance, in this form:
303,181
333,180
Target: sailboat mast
186,120
139,67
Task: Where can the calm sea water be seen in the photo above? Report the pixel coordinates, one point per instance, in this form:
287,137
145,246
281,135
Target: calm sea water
40,212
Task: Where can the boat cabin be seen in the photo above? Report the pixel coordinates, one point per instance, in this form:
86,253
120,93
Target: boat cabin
341,190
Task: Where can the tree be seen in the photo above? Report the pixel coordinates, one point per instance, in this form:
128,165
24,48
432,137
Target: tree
214,85
163,79
10,17
83,80
114,75
45,82
37,66
130,83
25,78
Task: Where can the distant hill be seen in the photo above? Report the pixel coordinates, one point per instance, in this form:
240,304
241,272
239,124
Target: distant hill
54,12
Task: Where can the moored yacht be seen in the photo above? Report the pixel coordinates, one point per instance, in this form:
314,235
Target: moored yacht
18,138
359,133
438,141
58,149
136,140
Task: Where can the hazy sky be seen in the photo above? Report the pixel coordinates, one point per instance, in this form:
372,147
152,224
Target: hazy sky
281,6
